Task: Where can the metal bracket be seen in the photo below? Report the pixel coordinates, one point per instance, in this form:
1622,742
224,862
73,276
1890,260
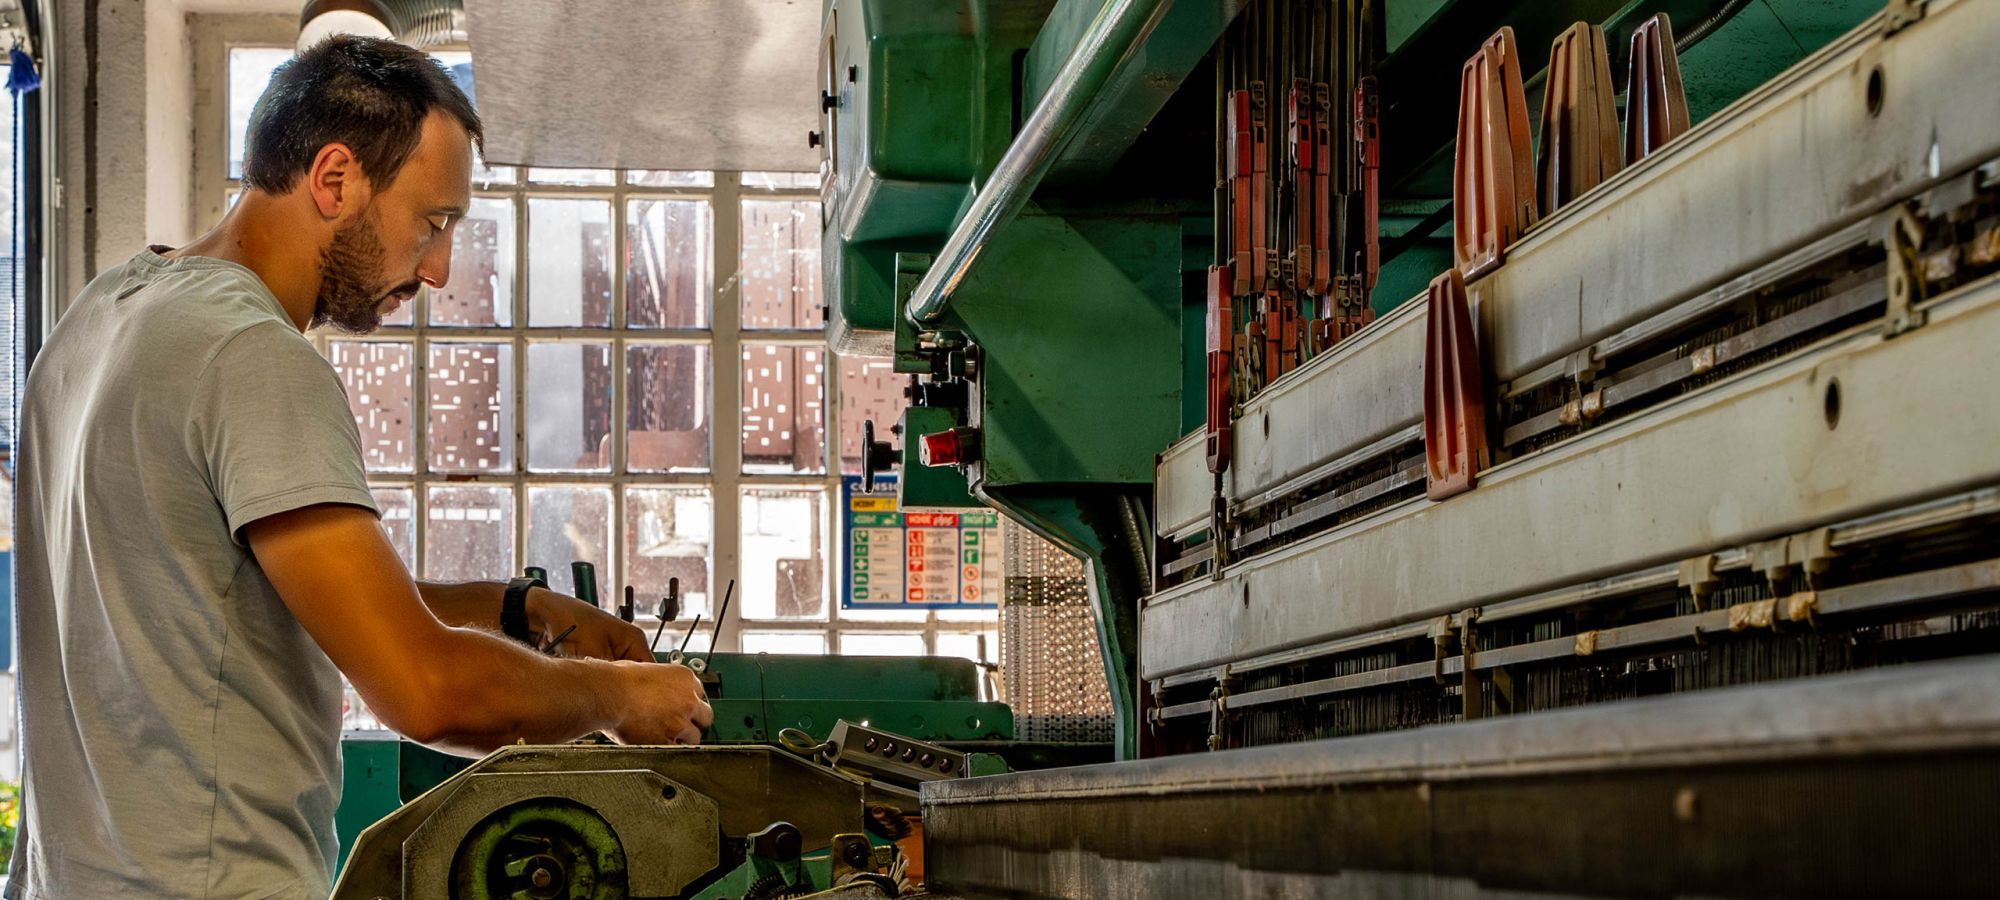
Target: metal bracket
1901,14
1698,576
1902,236
1218,711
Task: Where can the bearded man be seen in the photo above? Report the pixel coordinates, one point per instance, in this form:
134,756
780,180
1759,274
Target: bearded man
200,559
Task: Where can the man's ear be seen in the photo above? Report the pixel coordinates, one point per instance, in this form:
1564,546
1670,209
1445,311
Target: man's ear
335,182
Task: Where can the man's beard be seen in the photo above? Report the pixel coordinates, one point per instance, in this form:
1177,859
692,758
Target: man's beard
347,299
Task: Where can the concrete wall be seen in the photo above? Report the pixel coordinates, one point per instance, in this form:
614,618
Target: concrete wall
125,133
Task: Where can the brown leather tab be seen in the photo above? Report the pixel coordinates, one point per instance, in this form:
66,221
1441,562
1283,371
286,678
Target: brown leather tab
1493,191
1656,107
1454,391
1579,119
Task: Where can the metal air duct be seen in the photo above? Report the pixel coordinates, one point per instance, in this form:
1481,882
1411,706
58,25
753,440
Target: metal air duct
419,23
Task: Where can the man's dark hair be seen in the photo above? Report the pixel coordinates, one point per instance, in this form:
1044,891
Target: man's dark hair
368,93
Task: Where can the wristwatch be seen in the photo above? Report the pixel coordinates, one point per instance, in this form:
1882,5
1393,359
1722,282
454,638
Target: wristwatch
514,609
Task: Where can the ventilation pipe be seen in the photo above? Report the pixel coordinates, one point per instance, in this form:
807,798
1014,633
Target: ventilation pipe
419,23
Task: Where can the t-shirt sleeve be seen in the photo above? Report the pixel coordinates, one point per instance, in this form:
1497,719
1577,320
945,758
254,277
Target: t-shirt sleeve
273,430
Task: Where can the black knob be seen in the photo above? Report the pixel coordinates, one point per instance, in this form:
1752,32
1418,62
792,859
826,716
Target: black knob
876,457
778,841
828,100
812,139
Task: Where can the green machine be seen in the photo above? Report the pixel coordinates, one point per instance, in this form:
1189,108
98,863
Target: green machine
1057,371
755,697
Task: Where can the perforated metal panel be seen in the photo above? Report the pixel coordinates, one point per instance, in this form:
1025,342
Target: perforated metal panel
1049,653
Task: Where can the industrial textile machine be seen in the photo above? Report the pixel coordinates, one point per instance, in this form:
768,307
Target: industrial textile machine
1593,493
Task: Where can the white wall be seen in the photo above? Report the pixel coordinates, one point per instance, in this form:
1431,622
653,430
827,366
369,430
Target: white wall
128,184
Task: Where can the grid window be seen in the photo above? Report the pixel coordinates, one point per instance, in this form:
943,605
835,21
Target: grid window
784,414
780,265
625,367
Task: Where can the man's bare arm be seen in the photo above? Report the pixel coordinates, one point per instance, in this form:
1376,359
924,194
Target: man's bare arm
462,690
597,634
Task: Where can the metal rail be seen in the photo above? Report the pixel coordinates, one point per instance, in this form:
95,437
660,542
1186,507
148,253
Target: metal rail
1120,26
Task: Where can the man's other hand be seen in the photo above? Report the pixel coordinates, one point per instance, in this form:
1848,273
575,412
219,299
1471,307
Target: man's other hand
665,704
598,634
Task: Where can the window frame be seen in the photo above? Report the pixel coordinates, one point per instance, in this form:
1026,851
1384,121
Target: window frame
725,338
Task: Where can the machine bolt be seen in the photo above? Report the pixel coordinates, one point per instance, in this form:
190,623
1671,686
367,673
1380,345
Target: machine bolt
870,746
945,765
924,760
909,753
813,139
540,878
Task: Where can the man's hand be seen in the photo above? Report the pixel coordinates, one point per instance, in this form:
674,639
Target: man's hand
666,705
598,634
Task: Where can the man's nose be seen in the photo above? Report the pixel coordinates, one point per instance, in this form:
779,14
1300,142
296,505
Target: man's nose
435,267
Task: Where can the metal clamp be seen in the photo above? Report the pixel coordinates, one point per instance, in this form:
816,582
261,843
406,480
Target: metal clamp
1902,236
1901,14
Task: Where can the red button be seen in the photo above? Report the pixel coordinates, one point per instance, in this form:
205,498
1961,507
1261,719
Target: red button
949,448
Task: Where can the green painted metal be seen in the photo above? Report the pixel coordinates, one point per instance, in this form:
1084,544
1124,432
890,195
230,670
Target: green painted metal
924,105
369,766
1078,322
929,487
1176,43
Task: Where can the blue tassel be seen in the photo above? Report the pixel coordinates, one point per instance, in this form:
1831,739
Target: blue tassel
21,74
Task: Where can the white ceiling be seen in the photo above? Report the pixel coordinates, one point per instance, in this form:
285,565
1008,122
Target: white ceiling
650,84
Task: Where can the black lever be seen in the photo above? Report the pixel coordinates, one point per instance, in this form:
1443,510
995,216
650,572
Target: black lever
876,457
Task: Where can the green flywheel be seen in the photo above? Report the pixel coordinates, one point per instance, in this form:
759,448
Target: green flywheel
543,849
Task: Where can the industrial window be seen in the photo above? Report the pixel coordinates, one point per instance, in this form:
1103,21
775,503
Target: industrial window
629,368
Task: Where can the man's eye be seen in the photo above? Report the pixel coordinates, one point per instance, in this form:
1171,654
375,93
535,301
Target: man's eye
439,223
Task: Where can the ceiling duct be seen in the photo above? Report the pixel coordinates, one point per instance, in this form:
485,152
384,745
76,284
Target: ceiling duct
419,23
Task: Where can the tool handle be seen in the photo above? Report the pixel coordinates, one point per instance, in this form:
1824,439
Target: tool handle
583,576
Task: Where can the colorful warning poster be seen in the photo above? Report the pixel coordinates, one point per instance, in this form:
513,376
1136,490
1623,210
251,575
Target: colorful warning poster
920,560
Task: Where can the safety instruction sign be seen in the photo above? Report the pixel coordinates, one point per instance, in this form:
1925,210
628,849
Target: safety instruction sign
915,560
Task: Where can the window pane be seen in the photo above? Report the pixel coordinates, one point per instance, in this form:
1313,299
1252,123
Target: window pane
481,288
469,534
249,71
866,614
669,178
978,646
484,175
876,644
405,315
471,409
795,643
666,408
784,566
676,637
398,506
779,270
569,176
667,263
569,262
870,390
784,413
770,181
567,524
668,531
377,377
569,407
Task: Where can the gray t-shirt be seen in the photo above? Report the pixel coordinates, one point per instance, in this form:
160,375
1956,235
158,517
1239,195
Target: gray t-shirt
181,731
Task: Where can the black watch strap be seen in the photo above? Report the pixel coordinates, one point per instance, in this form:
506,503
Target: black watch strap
514,609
